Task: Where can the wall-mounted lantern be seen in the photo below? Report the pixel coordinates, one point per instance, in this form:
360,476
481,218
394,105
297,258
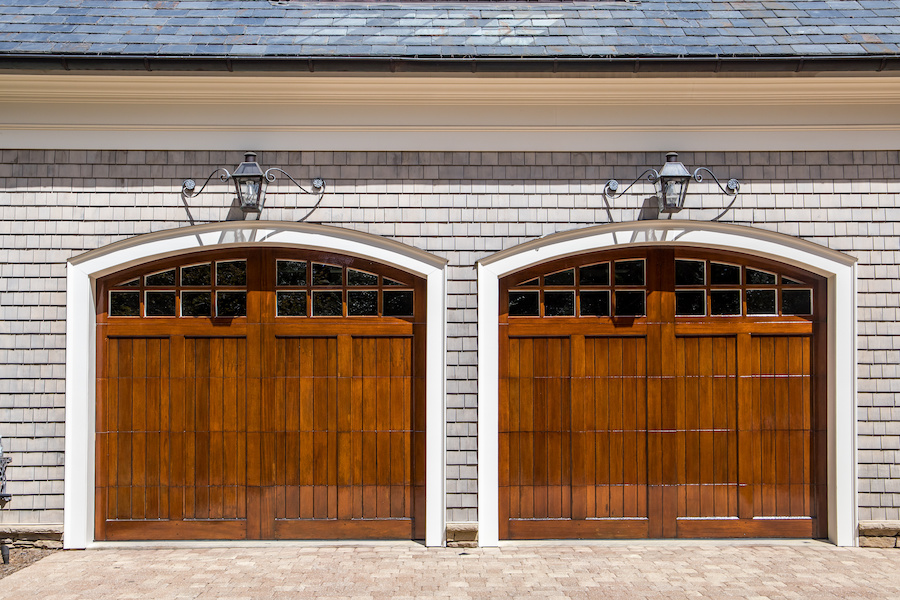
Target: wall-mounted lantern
250,183
671,183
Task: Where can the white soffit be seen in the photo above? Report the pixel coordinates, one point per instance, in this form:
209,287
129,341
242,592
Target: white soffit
311,112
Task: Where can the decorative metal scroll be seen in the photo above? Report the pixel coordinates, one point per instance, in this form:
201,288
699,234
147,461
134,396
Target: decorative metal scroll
731,189
189,188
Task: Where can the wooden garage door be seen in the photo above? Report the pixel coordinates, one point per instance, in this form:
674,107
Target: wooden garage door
260,394
662,393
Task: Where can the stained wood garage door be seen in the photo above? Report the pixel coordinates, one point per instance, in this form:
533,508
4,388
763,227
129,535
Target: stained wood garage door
260,394
662,393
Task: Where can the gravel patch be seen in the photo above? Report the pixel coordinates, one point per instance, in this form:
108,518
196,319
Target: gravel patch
19,558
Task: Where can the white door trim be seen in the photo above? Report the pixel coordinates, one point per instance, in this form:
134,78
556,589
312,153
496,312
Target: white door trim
839,270
84,270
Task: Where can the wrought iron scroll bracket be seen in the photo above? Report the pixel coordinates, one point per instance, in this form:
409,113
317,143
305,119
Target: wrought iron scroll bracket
731,189
188,187
318,185
611,189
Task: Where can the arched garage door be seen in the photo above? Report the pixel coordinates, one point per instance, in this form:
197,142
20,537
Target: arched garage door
260,394
662,392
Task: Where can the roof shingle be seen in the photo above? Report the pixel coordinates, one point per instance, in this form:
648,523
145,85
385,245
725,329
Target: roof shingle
698,29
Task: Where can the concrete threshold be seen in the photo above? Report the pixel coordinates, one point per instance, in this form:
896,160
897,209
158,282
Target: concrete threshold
168,545
730,542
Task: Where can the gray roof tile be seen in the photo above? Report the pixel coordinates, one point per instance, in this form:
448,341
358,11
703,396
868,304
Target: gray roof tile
653,28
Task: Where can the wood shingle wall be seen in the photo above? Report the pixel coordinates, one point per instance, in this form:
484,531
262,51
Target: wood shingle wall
462,206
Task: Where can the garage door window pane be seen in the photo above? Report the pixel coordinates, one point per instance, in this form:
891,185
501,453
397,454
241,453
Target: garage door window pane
524,304
196,275
231,304
755,277
796,302
398,304
566,277
690,303
559,304
594,274
355,277
231,273
761,302
290,272
196,304
362,303
327,304
160,304
125,304
725,302
327,274
630,272
690,272
721,274
165,278
291,304
595,304
630,304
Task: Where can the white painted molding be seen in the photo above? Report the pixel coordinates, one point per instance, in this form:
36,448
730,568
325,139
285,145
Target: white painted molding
84,270
838,269
214,89
314,112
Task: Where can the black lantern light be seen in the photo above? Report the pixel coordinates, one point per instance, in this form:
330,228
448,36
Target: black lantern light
250,183
671,183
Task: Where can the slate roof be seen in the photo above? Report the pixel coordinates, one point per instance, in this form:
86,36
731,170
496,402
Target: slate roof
700,29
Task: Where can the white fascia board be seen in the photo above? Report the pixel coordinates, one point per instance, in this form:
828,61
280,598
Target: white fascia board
442,113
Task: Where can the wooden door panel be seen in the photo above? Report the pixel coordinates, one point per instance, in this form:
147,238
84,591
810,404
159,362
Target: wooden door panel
614,430
214,448
706,405
781,384
232,421
538,474
132,431
345,443
684,422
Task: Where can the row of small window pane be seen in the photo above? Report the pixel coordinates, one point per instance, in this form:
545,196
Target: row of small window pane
228,273
693,272
627,272
728,302
595,303
234,304
163,304
632,303
294,273
360,303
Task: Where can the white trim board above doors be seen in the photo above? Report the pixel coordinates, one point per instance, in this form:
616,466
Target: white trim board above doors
838,269
83,272
574,114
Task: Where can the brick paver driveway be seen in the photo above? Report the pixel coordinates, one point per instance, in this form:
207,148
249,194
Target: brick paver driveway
629,570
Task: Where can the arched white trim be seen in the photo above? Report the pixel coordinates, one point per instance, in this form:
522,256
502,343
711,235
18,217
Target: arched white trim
839,270
84,270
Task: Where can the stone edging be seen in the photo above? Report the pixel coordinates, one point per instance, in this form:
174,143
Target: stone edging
879,534
32,536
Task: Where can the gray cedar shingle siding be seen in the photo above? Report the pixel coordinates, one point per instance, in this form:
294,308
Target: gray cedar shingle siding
703,28
459,205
